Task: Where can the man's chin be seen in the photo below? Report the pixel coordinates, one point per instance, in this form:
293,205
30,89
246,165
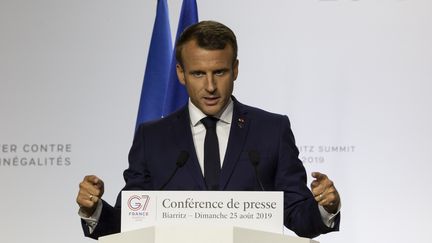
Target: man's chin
212,110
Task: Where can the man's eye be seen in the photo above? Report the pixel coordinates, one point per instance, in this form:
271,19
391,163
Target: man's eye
198,75
220,72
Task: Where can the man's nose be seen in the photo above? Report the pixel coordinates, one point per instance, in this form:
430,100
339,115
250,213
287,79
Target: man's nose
210,83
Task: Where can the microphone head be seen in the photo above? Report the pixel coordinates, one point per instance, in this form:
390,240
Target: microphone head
182,158
254,157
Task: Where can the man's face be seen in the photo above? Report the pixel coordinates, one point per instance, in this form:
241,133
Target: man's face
208,76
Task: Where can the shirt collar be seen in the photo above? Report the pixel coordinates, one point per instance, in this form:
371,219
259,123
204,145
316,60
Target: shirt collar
196,114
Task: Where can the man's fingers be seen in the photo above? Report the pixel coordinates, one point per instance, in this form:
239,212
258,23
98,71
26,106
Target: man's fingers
87,205
86,196
89,189
318,190
326,198
99,183
94,180
318,187
319,176
91,178
325,192
87,201
92,185
322,193
319,197
321,182
323,188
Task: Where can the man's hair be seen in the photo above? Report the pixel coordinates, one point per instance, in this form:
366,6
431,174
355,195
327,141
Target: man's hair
209,35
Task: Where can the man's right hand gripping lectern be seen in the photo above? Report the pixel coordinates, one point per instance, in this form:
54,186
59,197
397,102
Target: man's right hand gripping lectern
202,217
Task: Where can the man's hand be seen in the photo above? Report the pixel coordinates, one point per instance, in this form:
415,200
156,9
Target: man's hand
91,190
325,192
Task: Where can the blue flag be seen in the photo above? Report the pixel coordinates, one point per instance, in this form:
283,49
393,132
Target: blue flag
176,95
157,68
161,92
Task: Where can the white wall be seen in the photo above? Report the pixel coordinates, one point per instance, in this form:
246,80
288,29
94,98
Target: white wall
354,75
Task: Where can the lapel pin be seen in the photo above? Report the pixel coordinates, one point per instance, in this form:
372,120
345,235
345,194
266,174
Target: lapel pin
240,122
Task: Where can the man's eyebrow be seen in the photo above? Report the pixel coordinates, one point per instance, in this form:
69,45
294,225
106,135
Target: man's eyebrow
196,71
222,69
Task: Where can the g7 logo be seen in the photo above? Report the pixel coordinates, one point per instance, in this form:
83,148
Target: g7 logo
137,203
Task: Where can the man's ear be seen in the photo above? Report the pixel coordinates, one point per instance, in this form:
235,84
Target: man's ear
180,74
235,69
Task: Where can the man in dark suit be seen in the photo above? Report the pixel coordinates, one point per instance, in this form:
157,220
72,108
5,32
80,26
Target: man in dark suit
228,145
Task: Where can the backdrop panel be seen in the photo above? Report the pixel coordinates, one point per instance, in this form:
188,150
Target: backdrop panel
353,76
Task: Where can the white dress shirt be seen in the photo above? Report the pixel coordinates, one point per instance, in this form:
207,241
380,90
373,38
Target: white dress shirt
223,127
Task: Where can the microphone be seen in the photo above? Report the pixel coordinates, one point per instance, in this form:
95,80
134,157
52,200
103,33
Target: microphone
254,158
181,161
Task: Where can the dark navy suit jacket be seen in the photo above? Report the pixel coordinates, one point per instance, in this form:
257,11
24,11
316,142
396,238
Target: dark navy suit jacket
157,145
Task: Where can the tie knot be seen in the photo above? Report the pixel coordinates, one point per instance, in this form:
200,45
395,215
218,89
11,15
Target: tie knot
209,122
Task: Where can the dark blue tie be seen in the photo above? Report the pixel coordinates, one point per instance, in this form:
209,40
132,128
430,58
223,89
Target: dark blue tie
211,154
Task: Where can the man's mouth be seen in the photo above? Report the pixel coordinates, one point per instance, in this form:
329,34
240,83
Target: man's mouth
211,100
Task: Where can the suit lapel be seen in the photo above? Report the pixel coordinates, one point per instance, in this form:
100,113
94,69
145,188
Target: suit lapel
238,133
183,138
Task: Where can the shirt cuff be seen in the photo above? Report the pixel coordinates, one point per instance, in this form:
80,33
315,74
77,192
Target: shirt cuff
93,220
328,218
